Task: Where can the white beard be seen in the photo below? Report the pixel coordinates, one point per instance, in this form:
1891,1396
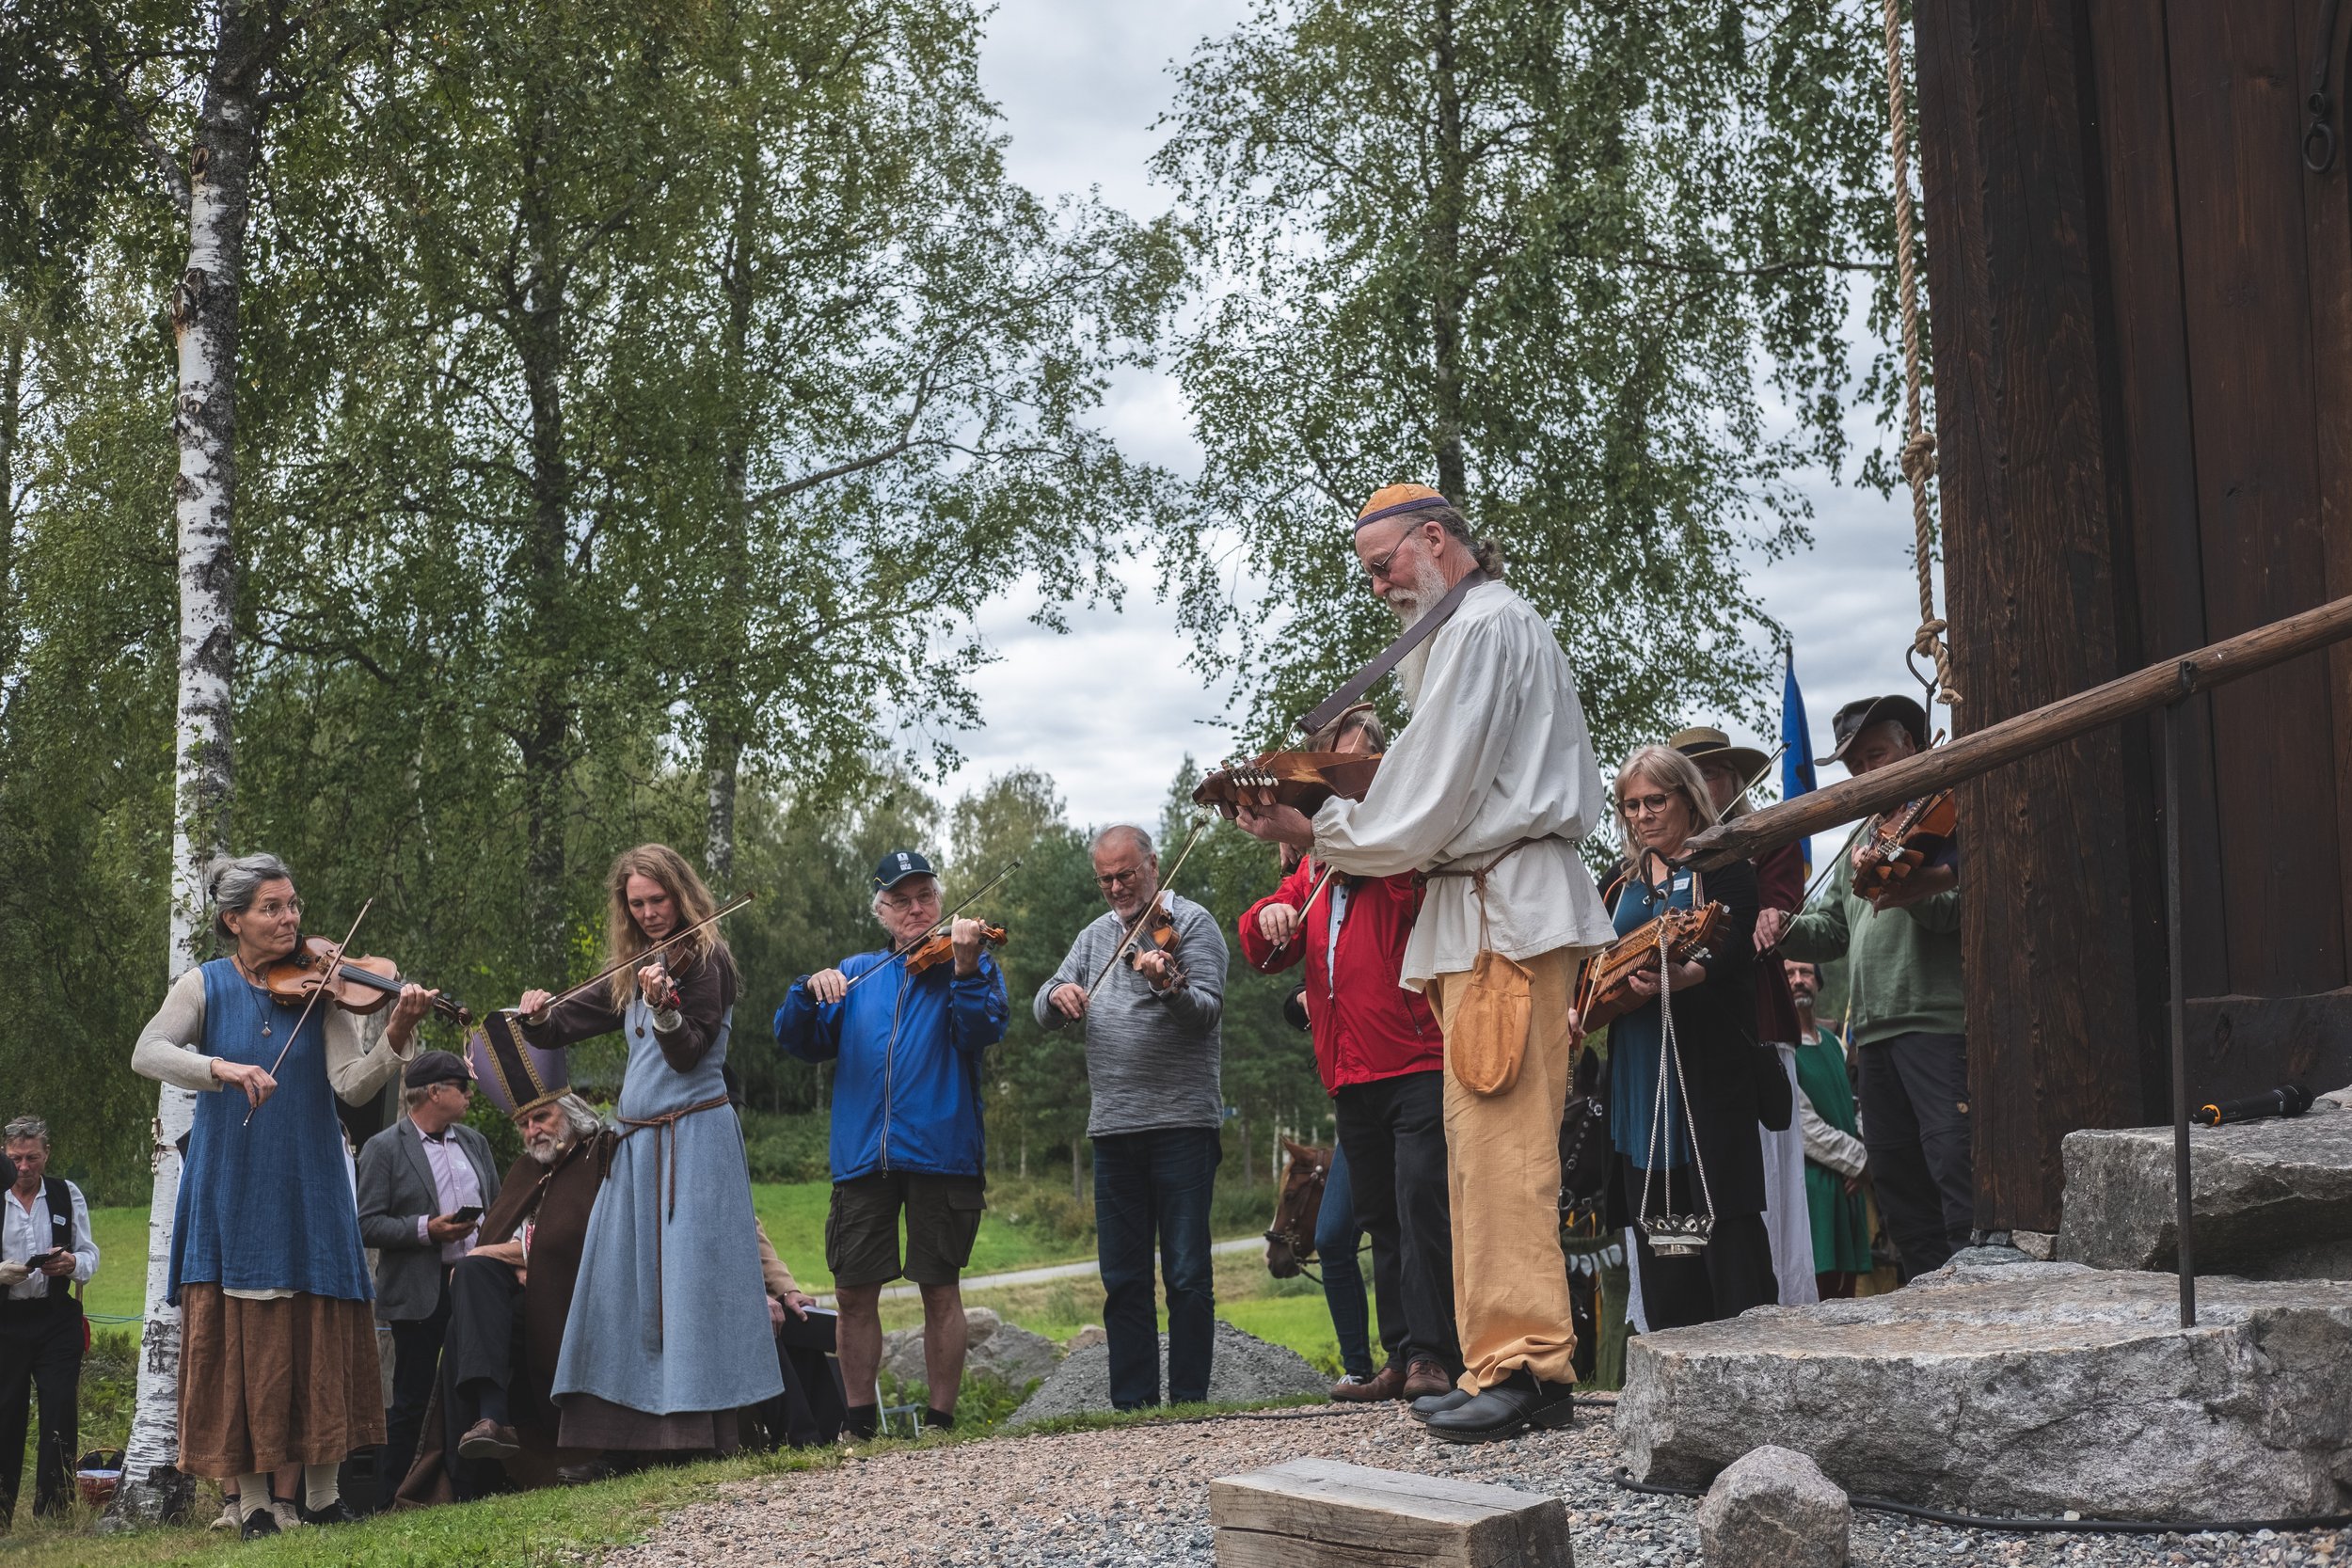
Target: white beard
1426,587
545,1150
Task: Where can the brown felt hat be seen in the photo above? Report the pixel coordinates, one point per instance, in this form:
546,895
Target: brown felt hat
1701,743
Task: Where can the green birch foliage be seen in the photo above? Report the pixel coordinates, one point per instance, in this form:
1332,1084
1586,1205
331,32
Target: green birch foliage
1536,254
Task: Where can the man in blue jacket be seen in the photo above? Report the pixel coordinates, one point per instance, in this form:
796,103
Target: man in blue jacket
906,1125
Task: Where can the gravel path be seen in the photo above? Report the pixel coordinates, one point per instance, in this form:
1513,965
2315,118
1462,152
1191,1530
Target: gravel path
1138,1496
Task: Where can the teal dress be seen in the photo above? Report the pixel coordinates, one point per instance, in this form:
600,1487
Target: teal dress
1841,1228
1637,1047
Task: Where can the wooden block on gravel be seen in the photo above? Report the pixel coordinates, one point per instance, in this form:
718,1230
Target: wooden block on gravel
1321,1514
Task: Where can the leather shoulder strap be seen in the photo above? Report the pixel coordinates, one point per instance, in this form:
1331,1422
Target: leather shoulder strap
1388,659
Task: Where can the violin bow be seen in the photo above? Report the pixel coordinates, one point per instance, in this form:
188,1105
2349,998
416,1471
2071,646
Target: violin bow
971,898
312,1000
1283,946
653,953
1200,827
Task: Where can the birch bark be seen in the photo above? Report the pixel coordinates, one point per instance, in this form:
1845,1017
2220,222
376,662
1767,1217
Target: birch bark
204,304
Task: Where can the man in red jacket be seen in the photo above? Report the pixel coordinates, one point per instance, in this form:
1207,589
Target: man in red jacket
1382,1057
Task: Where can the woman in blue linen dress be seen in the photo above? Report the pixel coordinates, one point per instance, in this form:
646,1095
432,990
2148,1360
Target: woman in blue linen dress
669,1333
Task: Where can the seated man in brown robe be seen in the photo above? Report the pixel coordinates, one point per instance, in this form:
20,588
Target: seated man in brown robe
509,1301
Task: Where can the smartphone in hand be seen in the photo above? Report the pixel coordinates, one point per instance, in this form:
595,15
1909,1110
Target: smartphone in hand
467,1214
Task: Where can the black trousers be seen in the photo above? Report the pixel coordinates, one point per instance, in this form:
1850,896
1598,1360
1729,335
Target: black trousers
416,1361
809,1412
1914,1134
1731,1274
40,1350
1392,1130
484,1309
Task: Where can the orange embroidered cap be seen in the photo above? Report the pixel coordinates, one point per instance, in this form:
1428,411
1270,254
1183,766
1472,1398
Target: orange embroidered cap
1392,500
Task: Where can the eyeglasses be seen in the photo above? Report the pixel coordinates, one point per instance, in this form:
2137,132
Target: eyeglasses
273,910
1644,805
1378,567
1118,878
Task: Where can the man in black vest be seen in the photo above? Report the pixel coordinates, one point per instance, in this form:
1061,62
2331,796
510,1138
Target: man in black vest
45,1252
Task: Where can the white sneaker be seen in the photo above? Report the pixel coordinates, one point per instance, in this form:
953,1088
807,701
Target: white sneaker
230,1517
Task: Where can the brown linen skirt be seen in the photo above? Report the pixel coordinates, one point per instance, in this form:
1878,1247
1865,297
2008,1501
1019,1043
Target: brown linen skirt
293,1381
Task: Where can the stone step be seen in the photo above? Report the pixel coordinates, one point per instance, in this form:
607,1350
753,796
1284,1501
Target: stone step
2027,1389
2270,1199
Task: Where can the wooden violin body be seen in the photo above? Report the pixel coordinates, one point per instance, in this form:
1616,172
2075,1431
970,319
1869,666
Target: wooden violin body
1300,779
1906,840
361,984
937,949
1606,993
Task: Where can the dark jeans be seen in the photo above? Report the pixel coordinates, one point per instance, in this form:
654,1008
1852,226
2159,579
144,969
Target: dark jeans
1914,1130
1394,1130
416,1362
40,1351
1337,1238
1155,1185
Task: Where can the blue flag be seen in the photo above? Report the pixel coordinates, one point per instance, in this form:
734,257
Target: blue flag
1796,763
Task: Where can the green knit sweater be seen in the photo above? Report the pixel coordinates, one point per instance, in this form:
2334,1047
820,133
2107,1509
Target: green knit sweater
1902,966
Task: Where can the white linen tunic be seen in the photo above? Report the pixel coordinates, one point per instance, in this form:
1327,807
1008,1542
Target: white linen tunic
1497,751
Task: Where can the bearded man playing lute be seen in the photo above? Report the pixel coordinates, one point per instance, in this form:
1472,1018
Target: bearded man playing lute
1485,793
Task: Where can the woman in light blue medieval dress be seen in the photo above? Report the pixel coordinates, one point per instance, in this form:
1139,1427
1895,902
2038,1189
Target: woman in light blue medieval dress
669,1332
277,1361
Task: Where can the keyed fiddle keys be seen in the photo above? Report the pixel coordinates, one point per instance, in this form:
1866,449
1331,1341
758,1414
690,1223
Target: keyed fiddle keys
1301,779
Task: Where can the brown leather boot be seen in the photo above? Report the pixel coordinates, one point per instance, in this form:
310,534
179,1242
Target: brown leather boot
1425,1377
489,1440
1388,1384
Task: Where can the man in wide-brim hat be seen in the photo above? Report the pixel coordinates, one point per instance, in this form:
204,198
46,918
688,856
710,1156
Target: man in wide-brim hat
1907,1021
1730,772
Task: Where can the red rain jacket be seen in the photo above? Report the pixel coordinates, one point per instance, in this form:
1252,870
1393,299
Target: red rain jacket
1365,1025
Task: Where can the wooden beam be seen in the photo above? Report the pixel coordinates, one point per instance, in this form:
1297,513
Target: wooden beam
1972,755
1323,1514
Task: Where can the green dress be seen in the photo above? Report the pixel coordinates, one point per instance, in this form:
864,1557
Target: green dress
1841,1228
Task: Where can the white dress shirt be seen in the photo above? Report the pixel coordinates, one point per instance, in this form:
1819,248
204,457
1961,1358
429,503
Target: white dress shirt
24,1234
1497,751
456,1186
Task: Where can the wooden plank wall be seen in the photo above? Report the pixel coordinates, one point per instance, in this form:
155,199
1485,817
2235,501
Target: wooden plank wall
2023,429
2142,309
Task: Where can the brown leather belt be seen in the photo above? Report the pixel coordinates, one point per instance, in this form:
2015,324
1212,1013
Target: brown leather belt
665,1134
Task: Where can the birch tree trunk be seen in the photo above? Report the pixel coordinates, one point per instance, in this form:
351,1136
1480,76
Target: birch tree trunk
204,305
722,723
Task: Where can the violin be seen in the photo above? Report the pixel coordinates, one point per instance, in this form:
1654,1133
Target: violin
1606,993
1905,840
362,985
1157,932
938,947
1300,779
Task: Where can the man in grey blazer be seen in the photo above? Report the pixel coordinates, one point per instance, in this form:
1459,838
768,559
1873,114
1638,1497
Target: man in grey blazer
423,1183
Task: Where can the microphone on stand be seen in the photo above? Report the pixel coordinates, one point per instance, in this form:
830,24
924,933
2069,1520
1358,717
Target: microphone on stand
2288,1099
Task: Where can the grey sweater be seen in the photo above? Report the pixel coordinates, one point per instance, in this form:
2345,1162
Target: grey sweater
1151,1057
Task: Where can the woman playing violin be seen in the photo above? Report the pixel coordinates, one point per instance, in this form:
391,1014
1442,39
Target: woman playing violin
668,1332
1663,800
278,1360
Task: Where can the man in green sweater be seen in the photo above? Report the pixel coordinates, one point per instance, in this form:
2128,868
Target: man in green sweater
1903,980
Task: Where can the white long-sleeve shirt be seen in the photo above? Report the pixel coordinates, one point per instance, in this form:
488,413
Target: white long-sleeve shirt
25,1233
1497,751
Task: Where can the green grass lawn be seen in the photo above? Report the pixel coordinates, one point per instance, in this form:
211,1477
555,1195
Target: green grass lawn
793,1212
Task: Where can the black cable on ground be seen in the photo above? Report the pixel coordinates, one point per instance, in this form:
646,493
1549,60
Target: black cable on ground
2045,1527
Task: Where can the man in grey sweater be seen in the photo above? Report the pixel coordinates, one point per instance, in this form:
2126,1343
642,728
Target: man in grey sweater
1153,1051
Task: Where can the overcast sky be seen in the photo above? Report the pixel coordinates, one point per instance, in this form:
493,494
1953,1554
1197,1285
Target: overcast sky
1079,84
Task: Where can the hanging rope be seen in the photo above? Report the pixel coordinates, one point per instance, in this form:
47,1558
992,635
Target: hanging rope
1919,457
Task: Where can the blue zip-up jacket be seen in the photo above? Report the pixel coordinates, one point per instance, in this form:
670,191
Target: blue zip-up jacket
906,1095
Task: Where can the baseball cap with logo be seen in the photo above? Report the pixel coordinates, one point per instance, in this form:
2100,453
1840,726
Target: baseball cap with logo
897,865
